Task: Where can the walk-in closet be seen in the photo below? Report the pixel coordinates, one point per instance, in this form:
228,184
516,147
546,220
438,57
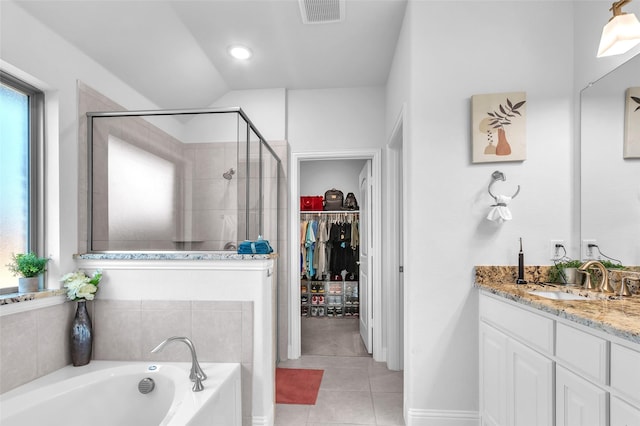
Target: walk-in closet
330,257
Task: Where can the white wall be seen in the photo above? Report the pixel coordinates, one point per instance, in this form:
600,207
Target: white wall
316,177
334,120
520,46
266,109
398,90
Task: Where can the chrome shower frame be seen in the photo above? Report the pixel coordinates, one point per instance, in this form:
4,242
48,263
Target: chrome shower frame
250,127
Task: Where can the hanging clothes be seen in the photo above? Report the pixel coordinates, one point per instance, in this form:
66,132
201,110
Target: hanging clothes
303,248
321,248
329,244
310,244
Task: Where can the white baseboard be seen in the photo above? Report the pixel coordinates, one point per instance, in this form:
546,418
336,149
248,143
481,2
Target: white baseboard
261,421
418,417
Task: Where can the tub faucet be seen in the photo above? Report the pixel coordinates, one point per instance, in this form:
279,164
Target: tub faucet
604,285
196,375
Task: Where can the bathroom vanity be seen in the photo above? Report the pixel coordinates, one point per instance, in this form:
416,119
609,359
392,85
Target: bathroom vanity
562,362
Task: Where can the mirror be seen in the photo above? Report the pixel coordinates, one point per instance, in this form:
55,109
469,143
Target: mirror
610,183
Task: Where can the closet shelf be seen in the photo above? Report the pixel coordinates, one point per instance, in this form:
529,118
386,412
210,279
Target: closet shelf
328,211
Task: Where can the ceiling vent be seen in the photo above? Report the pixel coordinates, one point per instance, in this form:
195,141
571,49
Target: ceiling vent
322,11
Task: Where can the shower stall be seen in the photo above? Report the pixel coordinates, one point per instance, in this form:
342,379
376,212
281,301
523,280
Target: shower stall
179,180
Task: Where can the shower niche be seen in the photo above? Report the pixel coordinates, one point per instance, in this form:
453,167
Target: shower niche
178,180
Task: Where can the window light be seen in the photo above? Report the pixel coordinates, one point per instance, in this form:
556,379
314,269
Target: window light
621,33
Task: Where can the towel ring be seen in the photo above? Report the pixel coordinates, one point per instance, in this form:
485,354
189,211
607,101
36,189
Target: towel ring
497,175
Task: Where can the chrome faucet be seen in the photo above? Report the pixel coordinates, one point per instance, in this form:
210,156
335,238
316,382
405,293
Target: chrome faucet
604,285
196,375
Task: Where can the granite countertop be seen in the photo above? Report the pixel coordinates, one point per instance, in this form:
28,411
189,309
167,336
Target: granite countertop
9,298
219,255
604,312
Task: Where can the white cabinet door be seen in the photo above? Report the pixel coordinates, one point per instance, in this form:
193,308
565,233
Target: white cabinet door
529,387
578,402
623,414
516,382
493,376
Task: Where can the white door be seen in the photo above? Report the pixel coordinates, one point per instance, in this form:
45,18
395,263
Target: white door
366,259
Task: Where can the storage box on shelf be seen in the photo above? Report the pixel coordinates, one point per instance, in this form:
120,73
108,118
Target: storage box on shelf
329,298
351,301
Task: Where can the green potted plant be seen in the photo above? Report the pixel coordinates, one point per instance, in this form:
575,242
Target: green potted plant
610,265
29,267
564,272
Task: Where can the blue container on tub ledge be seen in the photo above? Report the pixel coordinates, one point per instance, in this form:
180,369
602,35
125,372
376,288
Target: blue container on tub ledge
259,246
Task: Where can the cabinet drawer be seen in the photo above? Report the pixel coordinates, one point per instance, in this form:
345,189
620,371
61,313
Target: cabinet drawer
525,326
625,371
582,352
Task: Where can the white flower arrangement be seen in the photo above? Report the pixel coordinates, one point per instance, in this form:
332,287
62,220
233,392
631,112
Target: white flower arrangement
80,286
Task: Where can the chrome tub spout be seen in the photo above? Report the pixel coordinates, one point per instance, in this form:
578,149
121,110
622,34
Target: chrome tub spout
196,375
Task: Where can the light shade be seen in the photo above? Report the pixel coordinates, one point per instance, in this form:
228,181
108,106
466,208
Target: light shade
620,34
240,52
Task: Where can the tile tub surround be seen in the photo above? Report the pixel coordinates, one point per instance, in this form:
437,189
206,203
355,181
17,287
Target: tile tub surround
221,331
198,296
34,343
620,318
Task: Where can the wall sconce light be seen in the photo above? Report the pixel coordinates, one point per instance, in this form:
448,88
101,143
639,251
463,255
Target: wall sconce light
621,33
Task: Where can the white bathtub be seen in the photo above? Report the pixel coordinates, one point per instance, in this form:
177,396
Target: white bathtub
105,393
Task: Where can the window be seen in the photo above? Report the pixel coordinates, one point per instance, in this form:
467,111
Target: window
21,171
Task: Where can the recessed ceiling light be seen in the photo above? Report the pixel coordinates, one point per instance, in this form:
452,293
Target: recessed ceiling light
240,52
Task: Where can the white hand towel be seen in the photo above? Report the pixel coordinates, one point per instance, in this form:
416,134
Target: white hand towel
500,212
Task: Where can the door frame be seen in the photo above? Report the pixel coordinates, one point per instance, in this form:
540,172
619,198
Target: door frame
375,155
395,214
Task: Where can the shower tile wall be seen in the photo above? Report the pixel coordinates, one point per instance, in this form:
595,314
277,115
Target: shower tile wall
207,204
214,209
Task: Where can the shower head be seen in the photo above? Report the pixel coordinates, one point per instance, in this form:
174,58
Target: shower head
229,174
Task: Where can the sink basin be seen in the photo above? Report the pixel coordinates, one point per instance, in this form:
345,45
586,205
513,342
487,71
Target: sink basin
558,295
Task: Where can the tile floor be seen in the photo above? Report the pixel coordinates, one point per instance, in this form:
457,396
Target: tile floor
355,390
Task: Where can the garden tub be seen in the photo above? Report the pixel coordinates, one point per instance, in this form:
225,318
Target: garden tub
107,393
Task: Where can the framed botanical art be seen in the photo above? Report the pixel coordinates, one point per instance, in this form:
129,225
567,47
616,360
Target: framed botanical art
499,127
632,123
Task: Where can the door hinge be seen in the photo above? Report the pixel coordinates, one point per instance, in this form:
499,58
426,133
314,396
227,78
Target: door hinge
401,269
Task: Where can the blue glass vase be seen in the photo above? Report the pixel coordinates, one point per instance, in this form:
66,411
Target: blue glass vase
81,336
